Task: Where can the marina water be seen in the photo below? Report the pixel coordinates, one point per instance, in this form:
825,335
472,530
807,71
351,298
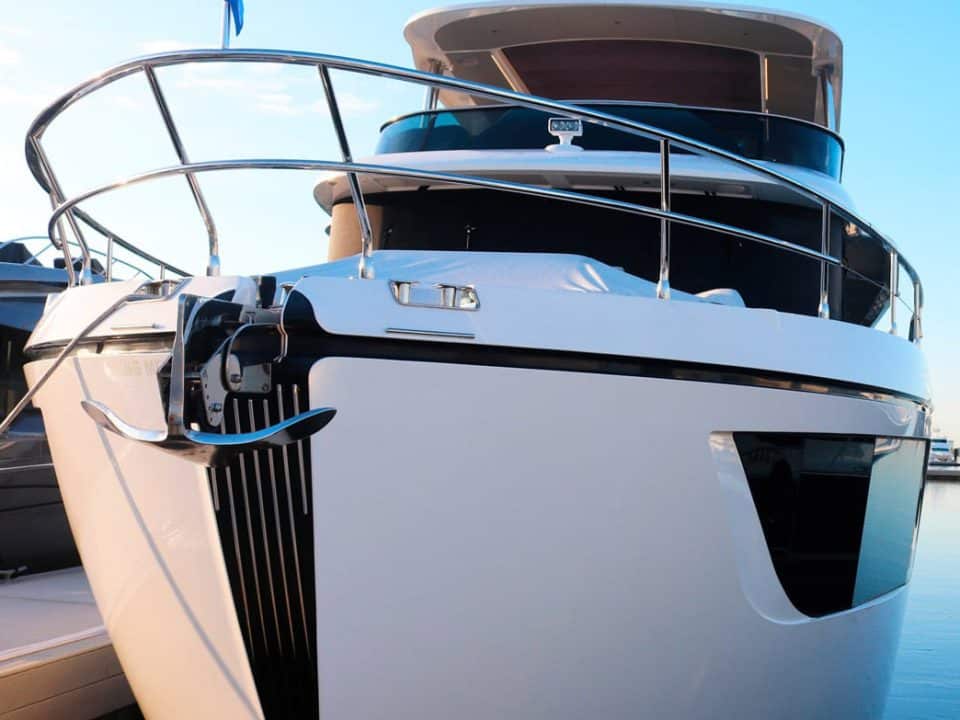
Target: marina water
926,682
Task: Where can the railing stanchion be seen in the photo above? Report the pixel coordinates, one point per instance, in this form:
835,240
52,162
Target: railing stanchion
823,309
894,289
663,281
213,265
433,92
356,192
916,326
109,258
225,27
57,197
60,243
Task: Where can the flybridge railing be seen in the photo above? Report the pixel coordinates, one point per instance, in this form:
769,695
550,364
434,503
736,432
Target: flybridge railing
67,209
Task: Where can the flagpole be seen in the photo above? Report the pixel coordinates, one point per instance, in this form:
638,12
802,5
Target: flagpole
225,40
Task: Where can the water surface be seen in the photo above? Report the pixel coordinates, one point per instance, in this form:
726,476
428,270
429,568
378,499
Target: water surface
926,681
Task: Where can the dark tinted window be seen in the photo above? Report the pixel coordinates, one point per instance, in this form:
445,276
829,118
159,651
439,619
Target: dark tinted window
839,513
754,136
890,523
13,385
765,277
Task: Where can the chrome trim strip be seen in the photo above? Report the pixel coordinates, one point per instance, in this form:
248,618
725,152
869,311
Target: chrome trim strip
251,543
279,534
434,333
263,531
236,549
300,459
293,530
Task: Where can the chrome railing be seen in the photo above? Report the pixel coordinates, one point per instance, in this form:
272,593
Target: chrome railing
67,210
108,256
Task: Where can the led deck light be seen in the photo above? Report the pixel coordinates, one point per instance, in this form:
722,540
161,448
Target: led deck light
565,130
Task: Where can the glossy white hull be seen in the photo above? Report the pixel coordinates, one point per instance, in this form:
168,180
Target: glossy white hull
490,541
521,543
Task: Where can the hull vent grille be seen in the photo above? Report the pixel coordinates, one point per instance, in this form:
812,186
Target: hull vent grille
263,508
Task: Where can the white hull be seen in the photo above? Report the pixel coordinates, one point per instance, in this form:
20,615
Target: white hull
149,545
536,544
490,541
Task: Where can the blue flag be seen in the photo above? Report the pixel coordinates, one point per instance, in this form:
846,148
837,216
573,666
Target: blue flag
236,9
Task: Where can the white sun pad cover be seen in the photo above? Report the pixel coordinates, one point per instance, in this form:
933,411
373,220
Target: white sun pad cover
544,271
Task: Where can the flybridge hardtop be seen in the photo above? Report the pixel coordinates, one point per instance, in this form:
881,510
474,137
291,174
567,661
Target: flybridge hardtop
682,53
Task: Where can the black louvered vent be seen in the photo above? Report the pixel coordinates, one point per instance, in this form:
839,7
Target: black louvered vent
263,508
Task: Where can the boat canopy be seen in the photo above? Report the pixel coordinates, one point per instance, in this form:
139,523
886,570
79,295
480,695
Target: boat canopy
681,53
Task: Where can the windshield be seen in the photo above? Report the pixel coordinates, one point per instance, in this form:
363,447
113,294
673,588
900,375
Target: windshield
752,135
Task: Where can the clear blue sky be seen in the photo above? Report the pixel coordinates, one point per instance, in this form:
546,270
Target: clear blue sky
901,104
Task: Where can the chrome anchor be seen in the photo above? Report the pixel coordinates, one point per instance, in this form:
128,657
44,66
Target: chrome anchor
206,448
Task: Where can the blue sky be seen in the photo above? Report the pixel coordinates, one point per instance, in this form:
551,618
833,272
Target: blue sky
901,103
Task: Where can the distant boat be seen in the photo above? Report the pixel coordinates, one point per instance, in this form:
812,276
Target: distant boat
944,458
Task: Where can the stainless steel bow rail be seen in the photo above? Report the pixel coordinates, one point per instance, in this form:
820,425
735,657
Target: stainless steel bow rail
67,210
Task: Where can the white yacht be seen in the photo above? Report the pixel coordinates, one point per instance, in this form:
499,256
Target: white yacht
605,403
944,459
942,451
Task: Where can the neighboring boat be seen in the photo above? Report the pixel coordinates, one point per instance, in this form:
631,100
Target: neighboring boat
56,660
34,533
607,428
944,458
942,452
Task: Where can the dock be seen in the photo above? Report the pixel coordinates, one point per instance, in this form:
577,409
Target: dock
56,659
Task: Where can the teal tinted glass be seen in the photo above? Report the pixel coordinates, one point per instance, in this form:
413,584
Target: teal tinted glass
752,135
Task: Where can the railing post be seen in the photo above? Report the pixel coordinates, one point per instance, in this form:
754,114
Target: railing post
225,30
163,271
894,289
60,243
57,197
213,265
109,258
823,308
433,92
916,322
356,192
663,281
